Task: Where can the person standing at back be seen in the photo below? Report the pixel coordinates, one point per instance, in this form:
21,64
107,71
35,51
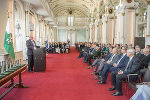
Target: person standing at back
31,46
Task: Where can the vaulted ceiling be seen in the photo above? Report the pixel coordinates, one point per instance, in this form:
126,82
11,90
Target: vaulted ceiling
85,8
82,10
79,8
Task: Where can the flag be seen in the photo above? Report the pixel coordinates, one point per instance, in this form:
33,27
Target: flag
8,41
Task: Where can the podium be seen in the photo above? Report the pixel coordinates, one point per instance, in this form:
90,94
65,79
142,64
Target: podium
40,59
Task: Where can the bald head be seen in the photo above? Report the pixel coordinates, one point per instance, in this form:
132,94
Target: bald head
114,51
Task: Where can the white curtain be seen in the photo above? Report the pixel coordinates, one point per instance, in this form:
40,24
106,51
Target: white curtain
62,35
81,35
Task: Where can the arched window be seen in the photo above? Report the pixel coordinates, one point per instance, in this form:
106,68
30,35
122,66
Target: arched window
18,27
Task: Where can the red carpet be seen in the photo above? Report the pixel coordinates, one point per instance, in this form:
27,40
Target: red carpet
66,78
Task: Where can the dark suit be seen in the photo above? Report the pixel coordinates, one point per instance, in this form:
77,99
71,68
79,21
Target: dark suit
130,68
121,64
108,56
144,64
115,59
147,76
139,56
144,61
96,62
105,71
30,48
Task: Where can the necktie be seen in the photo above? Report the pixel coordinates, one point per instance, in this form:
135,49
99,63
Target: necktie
120,59
128,64
112,57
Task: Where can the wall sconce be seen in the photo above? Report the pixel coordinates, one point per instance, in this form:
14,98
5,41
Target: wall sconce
123,14
27,12
137,14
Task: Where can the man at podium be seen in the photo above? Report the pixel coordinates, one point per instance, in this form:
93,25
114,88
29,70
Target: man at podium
31,46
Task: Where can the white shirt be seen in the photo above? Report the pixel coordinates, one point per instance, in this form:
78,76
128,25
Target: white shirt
33,43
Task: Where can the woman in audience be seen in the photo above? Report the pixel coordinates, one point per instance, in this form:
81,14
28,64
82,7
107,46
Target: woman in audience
63,48
53,48
58,47
67,47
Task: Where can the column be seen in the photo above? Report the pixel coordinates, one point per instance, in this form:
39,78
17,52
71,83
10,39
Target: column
136,23
75,36
148,25
66,34
96,29
110,30
126,23
100,31
122,27
148,19
90,37
87,35
93,32
27,31
104,29
56,34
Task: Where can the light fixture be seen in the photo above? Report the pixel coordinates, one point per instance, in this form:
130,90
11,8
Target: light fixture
70,17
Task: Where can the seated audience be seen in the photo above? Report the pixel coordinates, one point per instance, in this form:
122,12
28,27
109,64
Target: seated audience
58,47
118,76
112,67
117,60
98,60
144,61
138,54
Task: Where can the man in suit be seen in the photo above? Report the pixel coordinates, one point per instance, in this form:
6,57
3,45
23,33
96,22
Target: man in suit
144,61
89,54
31,46
95,54
138,54
118,76
84,50
112,60
97,61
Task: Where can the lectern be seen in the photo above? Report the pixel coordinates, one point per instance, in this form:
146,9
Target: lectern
40,59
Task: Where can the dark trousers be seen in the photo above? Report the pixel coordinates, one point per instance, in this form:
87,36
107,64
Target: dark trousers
30,62
81,54
117,79
85,57
89,57
105,72
96,67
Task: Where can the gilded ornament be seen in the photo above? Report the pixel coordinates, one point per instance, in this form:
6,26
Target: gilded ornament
129,1
123,14
137,14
